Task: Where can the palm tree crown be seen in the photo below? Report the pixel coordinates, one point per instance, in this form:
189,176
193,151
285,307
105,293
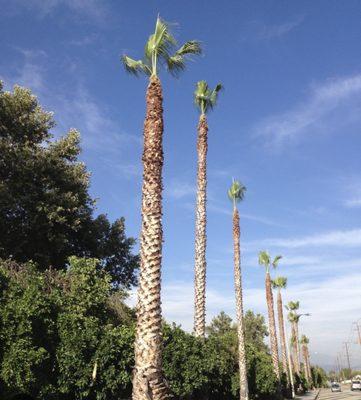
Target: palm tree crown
160,49
304,340
279,283
265,259
236,192
204,97
293,305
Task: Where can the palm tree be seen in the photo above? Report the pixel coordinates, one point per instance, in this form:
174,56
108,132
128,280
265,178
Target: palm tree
293,318
304,342
205,99
236,194
148,381
265,259
281,283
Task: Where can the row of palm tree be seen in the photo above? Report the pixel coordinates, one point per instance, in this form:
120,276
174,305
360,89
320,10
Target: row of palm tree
290,364
161,51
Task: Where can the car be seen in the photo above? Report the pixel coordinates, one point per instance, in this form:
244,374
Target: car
335,387
356,385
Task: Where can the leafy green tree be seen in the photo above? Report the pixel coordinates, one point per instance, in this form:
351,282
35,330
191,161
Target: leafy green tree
46,212
60,336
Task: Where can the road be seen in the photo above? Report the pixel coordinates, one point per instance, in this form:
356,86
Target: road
346,394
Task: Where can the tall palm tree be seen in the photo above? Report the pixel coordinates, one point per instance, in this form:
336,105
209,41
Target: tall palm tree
304,341
160,50
236,194
281,283
205,99
265,260
294,318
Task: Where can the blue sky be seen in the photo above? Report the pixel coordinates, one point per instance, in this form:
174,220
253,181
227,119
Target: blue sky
287,125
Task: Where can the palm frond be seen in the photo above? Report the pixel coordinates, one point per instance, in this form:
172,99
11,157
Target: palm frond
280,282
204,97
304,340
177,62
264,258
293,305
236,191
135,67
214,95
275,261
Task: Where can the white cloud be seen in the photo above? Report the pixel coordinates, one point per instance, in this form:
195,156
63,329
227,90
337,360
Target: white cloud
353,203
331,303
312,115
179,190
259,31
94,9
345,238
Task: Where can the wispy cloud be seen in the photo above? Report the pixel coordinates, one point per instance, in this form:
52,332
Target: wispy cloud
317,298
94,9
259,31
180,189
340,238
101,135
312,115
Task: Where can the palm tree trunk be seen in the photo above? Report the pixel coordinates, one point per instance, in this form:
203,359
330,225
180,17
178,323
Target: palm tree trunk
148,380
201,236
309,365
282,334
305,362
243,392
272,326
297,347
296,365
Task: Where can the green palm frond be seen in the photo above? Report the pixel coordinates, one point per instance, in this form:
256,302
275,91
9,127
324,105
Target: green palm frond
304,340
276,261
264,259
135,67
236,192
158,51
204,97
279,283
293,317
177,62
293,305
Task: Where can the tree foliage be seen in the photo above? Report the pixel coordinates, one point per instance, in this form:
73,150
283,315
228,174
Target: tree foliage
46,212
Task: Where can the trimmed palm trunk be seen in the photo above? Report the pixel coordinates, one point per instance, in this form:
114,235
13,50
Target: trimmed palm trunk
201,235
272,325
239,308
282,334
296,365
309,366
148,381
297,346
305,363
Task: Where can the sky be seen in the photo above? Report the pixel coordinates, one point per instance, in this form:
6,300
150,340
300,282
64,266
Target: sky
287,125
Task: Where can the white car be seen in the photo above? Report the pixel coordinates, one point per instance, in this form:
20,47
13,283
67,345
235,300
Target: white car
356,385
335,387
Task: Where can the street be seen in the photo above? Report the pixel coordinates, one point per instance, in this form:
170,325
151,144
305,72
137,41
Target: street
346,394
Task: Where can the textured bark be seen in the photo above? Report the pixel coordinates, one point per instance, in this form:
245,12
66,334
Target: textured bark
309,365
148,380
201,235
296,364
305,362
282,334
297,347
272,326
239,308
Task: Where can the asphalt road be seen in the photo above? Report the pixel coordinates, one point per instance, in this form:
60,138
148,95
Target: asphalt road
346,394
